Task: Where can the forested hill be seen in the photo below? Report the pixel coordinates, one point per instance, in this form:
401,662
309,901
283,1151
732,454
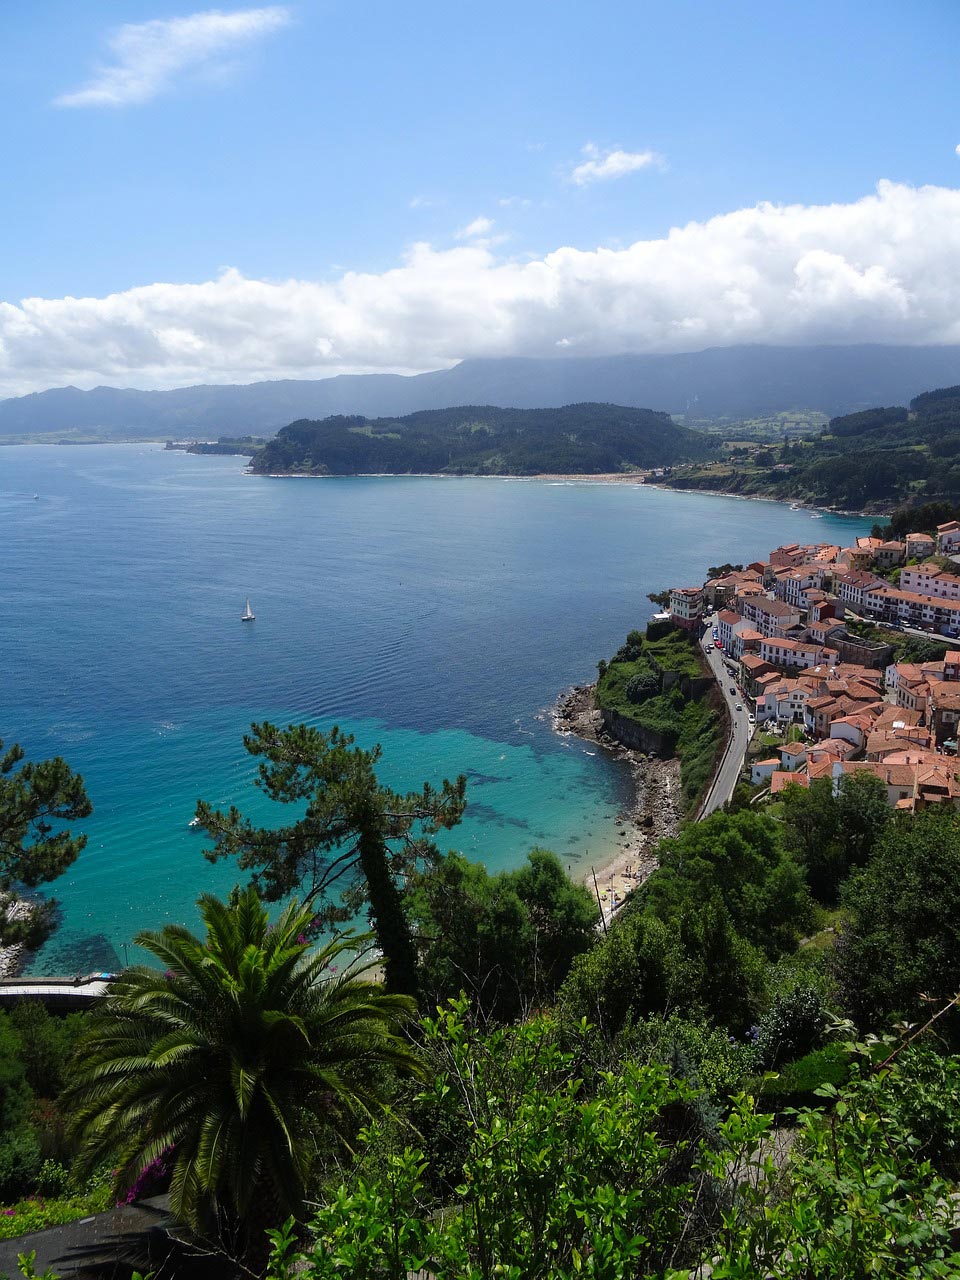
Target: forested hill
484,440
872,460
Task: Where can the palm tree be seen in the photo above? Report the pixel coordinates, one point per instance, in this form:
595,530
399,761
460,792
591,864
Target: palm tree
236,1061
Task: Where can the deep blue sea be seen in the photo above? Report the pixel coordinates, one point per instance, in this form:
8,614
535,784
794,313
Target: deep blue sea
440,618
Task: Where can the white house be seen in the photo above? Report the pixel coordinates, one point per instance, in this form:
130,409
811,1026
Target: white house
686,607
948,537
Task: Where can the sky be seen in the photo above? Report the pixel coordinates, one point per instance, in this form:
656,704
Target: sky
227,194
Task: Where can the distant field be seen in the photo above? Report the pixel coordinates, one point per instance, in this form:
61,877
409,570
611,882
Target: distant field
770,429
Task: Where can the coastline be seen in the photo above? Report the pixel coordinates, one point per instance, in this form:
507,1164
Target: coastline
603,477
812,507
654,814
636,478
13,955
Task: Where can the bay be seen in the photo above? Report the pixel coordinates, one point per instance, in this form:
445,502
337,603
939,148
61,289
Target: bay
438,617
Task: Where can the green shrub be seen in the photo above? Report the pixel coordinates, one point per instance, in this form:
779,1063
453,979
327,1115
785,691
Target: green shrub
798,1082
642,686
36,1214
19,1162
792,1026
53,1178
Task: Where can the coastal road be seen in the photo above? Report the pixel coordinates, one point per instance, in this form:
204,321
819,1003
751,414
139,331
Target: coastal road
732,762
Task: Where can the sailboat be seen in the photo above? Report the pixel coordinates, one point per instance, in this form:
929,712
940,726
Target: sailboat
248,615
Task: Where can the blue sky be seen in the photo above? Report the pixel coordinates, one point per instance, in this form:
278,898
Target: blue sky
303,142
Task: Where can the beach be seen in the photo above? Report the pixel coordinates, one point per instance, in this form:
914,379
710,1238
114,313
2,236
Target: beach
654,815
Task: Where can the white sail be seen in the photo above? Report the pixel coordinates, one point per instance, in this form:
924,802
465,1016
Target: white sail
248,614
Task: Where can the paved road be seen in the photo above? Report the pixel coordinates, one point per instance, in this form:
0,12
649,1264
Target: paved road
55,993
732,762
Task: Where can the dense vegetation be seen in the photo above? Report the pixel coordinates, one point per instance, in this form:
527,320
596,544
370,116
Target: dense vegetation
580,438
870,460
648,682
37,799
906,648
244,446
562,1101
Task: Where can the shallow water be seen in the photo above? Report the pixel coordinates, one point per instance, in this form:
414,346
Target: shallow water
438,617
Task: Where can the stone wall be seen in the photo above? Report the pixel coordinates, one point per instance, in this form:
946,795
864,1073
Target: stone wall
637,736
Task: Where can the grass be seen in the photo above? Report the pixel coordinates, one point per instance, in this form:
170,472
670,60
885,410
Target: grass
675,652
690,728
797,1082
36,1213
611,687
825,938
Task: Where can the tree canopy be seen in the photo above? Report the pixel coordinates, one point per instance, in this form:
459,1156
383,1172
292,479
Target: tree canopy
588,438
36,800
831,832
900,953
235,1061
355,837
507,940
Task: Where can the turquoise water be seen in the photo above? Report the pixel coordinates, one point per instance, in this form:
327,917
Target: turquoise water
438,617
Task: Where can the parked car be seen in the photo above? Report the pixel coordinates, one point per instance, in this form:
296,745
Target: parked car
751,718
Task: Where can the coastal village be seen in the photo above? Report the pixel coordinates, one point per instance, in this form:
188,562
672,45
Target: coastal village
827,696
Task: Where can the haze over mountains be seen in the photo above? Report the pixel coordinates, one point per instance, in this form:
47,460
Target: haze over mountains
722,382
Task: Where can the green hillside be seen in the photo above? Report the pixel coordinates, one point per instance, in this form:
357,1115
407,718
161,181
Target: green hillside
872,460
577,439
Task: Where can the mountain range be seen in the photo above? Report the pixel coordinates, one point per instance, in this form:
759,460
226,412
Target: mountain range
722,382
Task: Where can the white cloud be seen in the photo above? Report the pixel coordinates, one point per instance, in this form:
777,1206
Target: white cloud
885,268
148,57
514,202
478,227
957,148
602,166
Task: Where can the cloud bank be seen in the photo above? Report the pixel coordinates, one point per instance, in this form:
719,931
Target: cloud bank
149,57
604,166
885,268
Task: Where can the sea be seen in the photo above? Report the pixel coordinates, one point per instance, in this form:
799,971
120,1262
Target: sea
440,618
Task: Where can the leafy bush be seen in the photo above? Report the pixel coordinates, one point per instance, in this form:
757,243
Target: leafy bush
508,940
558,1178
798,1082
642,686
631,649
854,1199
52,1179
793,1025
19,1162
704,1056
37,1213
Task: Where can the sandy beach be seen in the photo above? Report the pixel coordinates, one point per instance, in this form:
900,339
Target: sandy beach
603,477
655,813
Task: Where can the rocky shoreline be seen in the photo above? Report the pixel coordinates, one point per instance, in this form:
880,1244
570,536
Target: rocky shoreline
656,811
12,955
